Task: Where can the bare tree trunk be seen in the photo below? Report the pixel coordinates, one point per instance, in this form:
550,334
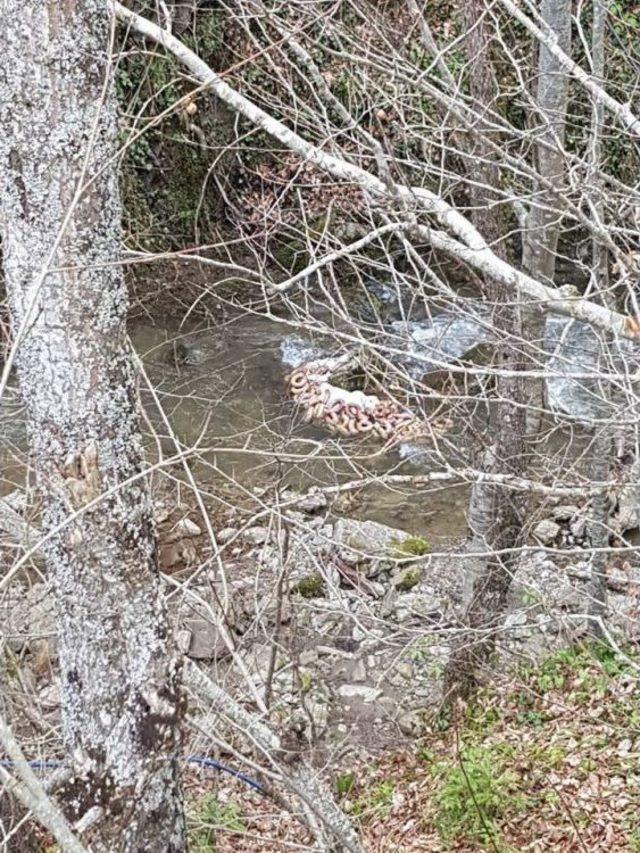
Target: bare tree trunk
599,525
121,701
495,513
543,226
540,240
600,260
602,447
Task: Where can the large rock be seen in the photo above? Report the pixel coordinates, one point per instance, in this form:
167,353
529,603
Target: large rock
308,567
200,640
546,531
366,542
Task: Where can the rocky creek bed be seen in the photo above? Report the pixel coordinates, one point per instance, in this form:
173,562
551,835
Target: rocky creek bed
338,607
342,626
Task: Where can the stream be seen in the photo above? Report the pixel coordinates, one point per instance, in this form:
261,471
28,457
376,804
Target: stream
236,393
222,389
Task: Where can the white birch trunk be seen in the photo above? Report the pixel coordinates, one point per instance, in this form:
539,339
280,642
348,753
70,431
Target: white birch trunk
119,678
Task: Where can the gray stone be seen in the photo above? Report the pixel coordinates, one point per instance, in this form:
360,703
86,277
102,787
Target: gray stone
546,531
255,535
312,502
186,528
183,640
565,512
308,657
358,672
368,541
50,696
578,528
389,603
319,712
405,670
17,500
332,651
205,643
617,580
516,626
359,691
412,723
226,534
358,634
377,589
406,577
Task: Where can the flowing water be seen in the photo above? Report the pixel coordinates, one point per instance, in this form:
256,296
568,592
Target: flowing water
231,400
222,390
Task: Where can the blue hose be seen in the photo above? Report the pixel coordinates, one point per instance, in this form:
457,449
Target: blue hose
201,760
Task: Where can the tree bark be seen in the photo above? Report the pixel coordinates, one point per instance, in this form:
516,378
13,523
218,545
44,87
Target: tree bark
495,512
540,240
552,91
599,524
60,219
602,447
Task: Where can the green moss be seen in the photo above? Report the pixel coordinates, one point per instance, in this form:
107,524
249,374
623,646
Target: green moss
376,802
311,586
165,181
306,681
414,546
409,579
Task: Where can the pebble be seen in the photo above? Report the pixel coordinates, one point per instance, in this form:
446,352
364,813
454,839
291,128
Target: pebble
359,671
187,528
405,670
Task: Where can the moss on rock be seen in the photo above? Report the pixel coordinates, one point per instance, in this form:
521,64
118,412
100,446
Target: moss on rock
311,586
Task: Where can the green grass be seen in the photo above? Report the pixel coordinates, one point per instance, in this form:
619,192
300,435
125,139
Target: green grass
477,790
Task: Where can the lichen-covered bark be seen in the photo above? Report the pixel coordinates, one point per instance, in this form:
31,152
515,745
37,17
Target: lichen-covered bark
119,679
